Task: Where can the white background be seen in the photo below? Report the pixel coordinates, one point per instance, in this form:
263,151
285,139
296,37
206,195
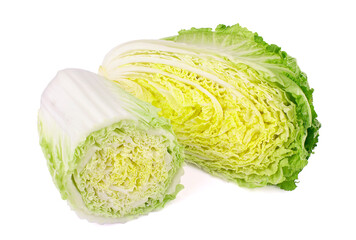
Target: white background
38,38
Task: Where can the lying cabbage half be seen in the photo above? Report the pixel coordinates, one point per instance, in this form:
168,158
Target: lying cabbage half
242,108
109,153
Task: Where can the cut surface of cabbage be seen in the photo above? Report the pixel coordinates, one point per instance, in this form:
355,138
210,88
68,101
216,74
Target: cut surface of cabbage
242,108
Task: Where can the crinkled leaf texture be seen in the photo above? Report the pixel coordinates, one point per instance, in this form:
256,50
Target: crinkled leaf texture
242,108
110,154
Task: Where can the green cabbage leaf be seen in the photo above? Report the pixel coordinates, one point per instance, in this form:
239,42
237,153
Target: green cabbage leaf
110,154
242,108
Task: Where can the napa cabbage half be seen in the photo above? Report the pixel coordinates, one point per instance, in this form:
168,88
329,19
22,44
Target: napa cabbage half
242,108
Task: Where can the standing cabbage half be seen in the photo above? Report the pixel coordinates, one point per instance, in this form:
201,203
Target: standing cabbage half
110,154
241,107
